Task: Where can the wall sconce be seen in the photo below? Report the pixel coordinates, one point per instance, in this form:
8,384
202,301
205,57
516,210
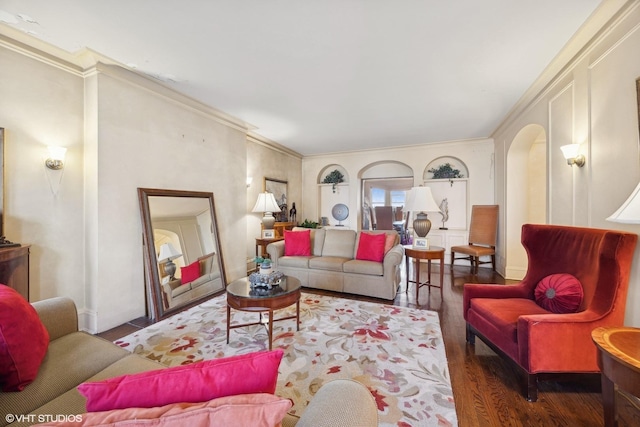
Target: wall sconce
571,152
56,157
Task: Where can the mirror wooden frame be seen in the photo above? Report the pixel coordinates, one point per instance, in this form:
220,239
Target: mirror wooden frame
156,309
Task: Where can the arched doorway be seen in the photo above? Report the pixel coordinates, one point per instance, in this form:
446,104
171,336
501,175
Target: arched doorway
526,201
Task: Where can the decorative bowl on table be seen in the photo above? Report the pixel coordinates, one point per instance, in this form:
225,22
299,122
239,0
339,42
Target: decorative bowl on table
268,281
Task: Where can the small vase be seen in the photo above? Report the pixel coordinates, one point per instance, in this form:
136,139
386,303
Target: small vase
265,269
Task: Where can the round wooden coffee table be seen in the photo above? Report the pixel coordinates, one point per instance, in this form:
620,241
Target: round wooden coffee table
241,297
434,252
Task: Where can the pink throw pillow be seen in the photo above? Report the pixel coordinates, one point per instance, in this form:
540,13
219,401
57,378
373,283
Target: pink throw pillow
371,247
297,243
23,341
256,410
388,244
559,293
198,382
190,273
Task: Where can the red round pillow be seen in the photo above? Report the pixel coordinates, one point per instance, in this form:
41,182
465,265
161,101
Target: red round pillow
559,293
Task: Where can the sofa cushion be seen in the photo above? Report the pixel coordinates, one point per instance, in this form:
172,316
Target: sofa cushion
23,341
197,382
330,263
190,273
339,243
371,268
69,350
256,410
297,243
559,293
390,241
317,239
497,319
294,261
371,247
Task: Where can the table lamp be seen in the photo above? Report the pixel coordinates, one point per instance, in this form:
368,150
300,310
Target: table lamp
266,203
167,254
629,212
420,199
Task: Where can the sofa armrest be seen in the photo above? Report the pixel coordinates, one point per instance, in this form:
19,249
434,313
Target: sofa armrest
275,251
392,260
341,402
59,316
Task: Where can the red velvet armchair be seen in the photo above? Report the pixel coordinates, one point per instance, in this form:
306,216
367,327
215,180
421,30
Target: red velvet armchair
510,321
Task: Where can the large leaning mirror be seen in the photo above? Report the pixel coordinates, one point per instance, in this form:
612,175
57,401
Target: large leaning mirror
183,261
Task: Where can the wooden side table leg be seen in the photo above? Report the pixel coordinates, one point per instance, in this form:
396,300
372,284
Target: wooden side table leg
441,277
406,266
609,401
416,267
298,315
429,275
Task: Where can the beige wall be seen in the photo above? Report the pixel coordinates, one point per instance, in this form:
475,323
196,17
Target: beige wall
123,131
593,103
476,154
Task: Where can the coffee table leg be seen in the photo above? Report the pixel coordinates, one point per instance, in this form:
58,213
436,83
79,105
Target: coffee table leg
429,275
298,315
270,328
228,321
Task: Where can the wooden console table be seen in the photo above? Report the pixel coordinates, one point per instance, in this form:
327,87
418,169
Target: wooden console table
619,361
14,268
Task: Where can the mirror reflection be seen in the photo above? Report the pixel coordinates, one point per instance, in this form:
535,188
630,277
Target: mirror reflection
184,264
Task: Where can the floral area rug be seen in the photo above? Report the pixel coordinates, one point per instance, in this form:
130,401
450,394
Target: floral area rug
397,352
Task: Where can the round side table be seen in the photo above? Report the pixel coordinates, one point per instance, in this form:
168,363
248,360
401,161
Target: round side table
434,252
619,361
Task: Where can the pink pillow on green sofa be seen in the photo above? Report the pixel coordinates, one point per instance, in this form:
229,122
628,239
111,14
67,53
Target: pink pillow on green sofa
198,382
371,247
23,341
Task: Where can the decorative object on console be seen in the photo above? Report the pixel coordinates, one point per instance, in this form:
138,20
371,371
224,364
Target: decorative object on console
267,204
340,212
167,254
420,199
334,178
444,211
293,212
571,152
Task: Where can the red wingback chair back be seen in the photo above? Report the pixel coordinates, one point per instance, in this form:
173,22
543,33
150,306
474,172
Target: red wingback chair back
508,319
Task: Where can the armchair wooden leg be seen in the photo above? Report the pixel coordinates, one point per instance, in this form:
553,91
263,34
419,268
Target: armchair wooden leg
531,392
471,337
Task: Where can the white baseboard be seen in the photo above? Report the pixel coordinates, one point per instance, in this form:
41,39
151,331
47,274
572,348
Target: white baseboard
88,321
515,273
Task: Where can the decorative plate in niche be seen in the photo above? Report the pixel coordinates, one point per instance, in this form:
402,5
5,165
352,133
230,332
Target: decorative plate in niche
340,211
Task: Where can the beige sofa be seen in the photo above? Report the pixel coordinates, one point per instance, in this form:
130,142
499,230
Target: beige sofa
332,265
176,293
74,357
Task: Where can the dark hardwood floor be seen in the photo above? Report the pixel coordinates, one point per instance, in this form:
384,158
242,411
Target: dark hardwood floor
486,388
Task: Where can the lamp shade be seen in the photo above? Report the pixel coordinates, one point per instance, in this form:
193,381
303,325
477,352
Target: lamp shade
266,203
420,199
168,253
570,151
629,212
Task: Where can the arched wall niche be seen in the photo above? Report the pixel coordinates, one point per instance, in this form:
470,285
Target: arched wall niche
526,193
454,162
330,168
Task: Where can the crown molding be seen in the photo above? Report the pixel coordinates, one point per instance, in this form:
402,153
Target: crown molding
266,142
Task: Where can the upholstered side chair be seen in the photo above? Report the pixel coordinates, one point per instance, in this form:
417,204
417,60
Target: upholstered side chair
519,323
483,230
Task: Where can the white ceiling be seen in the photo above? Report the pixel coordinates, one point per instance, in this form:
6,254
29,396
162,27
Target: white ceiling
327,76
